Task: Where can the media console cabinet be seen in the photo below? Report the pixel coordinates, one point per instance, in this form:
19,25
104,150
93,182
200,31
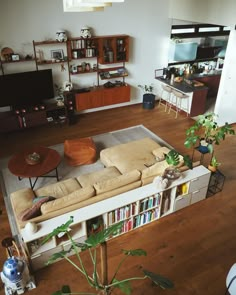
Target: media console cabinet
136,208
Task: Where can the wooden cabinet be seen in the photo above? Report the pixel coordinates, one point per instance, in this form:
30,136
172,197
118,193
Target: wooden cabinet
101,96
10,121
113,49
136,208
212,82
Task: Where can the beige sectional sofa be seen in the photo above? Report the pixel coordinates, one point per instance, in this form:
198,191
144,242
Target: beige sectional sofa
127,166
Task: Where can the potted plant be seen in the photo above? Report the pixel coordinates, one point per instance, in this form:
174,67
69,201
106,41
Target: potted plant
148,96
60,96
174,159
214,164
98,281
206,132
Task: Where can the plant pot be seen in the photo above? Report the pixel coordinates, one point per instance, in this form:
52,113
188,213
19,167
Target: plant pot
212,168
148,101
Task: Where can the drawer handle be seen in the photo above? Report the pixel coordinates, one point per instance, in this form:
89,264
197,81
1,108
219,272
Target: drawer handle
196,192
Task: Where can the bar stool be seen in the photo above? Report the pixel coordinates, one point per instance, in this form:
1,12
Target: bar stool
166,90
176,101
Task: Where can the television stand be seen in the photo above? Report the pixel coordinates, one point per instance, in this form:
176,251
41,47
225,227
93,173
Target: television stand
23,118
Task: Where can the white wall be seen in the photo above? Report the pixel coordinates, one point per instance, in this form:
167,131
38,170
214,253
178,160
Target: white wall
145,21
226,99
221,13
205,11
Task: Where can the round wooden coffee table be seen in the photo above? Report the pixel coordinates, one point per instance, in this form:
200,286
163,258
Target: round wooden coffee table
49,161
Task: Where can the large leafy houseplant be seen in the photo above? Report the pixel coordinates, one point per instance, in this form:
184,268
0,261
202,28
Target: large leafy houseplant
207,129
100,282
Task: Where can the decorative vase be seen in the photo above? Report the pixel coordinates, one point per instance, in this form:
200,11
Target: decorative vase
172,173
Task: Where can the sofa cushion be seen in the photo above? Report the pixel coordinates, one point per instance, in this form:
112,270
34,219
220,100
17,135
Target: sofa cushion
130,156
59,189
154,170
160,152
68,200
96,176
21,200
116,182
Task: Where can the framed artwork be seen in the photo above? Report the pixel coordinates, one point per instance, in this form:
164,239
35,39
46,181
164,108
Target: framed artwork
57,54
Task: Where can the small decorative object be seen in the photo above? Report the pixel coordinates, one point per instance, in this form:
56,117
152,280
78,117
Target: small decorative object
15,57
172,173
57,55
16,276
33,159
68,86
74,69
61,36
161,182
87,67
6,53
31,227
85,32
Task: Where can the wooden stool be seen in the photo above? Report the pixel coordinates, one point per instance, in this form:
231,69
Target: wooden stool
176,101
165,101
80,151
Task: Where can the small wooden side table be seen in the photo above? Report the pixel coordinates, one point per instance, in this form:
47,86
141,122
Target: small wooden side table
49,161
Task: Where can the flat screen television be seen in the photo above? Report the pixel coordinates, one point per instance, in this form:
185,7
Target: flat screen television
26,88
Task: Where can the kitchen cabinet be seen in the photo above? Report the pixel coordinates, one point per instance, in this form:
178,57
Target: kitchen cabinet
212,82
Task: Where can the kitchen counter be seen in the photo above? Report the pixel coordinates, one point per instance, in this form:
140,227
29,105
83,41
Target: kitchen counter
183,86
197,94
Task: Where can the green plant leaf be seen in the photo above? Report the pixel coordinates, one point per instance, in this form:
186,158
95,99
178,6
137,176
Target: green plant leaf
60,229
188,162
125,287
172,158
136,252
159,280
95,239
56,256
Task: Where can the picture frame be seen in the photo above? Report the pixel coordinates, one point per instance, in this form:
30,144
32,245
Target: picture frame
57,54
15,57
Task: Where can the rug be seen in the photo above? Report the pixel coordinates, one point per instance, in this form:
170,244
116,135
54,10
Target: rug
10,183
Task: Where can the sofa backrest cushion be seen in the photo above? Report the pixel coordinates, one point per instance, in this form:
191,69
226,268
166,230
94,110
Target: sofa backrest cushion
131,155
68,200
59,189
160,152
116,182
97,176
154,170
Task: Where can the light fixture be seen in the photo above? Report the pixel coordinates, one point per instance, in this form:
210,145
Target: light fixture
87,5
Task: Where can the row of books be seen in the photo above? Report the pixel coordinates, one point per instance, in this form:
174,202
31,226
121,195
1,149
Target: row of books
132,209
138,220
146,217
122,213
150,202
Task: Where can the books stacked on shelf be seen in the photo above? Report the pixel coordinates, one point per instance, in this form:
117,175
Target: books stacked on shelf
122,213
150,202
146,217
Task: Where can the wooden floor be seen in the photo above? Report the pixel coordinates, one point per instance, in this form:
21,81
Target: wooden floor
194,247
